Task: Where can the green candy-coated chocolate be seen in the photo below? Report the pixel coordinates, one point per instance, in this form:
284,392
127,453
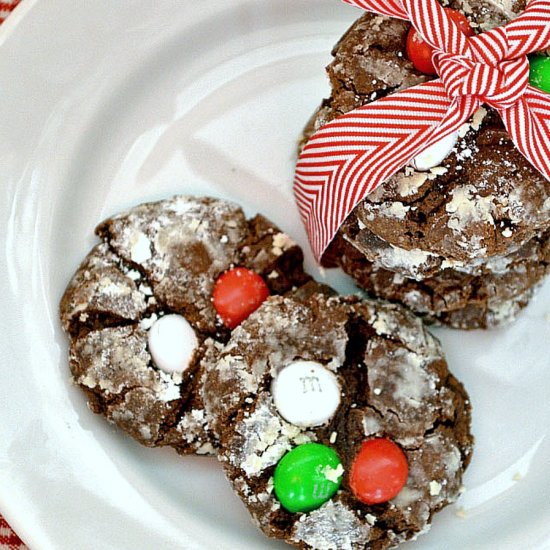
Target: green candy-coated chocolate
307,477
539,72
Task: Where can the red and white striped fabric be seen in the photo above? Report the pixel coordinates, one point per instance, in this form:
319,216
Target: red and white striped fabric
351,156
8,539
6,8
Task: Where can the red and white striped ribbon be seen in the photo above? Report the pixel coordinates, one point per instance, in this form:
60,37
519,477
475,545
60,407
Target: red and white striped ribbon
352,155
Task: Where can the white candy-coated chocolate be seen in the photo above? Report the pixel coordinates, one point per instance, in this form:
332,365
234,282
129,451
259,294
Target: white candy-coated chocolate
172,343
435,154
306,393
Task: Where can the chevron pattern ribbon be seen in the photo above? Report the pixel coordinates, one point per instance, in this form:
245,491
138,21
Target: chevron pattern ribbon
351,156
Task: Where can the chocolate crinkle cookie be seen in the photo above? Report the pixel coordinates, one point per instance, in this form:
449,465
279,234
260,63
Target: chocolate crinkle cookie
463,242
140,315
339,424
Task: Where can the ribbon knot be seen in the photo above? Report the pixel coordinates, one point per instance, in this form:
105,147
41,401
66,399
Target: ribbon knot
351,156
499,86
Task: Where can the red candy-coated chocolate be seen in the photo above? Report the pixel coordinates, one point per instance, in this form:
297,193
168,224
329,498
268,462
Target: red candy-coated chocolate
379,471
461,20
237,293
420,52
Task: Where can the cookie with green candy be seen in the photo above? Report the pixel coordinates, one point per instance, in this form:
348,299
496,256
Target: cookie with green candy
338,422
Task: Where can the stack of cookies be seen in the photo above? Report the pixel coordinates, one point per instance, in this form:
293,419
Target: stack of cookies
336,419
463,239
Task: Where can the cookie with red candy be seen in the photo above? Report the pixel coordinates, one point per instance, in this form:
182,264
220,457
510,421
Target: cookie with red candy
152,298
338,421
461,235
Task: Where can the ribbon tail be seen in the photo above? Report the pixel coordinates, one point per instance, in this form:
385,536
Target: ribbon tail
391,8
528,123
351,156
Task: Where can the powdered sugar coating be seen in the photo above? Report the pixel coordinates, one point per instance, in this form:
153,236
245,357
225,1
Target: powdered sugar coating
419,265
265,437
332,527
249,357
101,285
394,383
456,210
114,366
457,234
156,260
480,294
179,244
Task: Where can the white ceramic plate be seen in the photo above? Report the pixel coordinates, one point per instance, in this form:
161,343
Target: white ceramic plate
106,104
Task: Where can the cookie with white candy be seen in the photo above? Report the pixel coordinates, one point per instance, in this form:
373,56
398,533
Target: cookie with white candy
471,195
167,283
463,212
338,421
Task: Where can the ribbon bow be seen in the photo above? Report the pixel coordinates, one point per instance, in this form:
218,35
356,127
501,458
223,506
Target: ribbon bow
352,155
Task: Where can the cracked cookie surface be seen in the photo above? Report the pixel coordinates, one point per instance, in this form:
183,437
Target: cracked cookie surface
394,383
446,233
485,199
158,259
465,297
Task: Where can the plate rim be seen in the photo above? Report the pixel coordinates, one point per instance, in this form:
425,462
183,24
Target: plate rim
29,534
